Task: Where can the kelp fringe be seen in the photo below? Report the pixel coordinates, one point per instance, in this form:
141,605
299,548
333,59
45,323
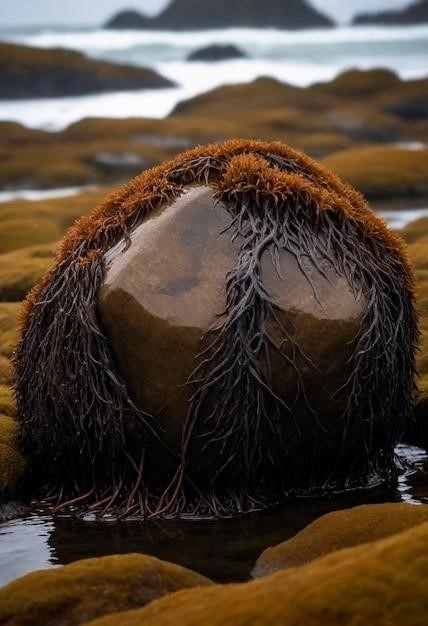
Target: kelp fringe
92,447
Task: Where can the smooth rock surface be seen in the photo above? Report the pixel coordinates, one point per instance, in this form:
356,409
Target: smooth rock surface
164,293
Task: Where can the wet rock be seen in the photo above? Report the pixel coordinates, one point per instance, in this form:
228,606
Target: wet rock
203,14
340,529
216,53
27,72
170,282
86,589
378,583
222,317
414,13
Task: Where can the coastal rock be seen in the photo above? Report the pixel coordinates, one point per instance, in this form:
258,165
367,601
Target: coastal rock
75,593
204,14
338,530
12,464
414,13
216,53
27,72
218,307
378,583
21,269
383,172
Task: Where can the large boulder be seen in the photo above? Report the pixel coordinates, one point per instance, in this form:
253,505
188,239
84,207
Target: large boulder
229,329
204,14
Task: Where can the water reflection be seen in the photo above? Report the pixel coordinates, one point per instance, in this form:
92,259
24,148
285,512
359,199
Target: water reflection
224,550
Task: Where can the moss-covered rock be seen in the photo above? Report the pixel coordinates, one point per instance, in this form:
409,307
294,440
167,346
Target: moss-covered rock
9,314
340,529
378,583
21,269
22,232
7,402
12,463
27,72
86,589
5,371
383,172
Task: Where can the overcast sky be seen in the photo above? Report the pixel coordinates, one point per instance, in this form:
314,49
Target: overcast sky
31,12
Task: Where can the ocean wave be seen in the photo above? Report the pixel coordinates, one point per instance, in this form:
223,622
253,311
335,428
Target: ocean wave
121,40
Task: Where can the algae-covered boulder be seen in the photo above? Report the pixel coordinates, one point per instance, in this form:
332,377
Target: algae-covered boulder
228,329
27,72
340,529
86,589
12,463
378,583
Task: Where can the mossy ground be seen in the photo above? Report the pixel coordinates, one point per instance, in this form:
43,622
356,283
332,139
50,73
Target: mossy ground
75,593
377,583
357,109
338,530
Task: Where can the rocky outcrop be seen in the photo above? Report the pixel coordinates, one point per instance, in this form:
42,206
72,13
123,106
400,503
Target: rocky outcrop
27,72
415,13
205,14
216,53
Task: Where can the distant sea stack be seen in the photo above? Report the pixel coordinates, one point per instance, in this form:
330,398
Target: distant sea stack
205,14
415,13
27,72
217,53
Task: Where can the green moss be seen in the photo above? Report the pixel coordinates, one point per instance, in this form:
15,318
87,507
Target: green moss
356,83
7,402
5,371
381,583
20,233
9,313
383,172
415,230
12,470
22,269
340,529
9,430
86,589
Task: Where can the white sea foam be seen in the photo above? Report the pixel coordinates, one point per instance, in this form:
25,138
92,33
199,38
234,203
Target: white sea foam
42,194
296,57
113,39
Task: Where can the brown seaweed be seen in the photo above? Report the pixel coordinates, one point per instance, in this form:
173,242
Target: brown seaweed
89,442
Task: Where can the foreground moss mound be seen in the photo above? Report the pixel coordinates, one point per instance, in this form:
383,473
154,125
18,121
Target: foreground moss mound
75,593
21,269
382,583
9,313
340,529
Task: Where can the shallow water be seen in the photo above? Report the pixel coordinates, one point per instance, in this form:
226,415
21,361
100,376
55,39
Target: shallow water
224,550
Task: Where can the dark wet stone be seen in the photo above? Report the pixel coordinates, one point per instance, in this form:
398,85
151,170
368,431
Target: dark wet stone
216,53
166,290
